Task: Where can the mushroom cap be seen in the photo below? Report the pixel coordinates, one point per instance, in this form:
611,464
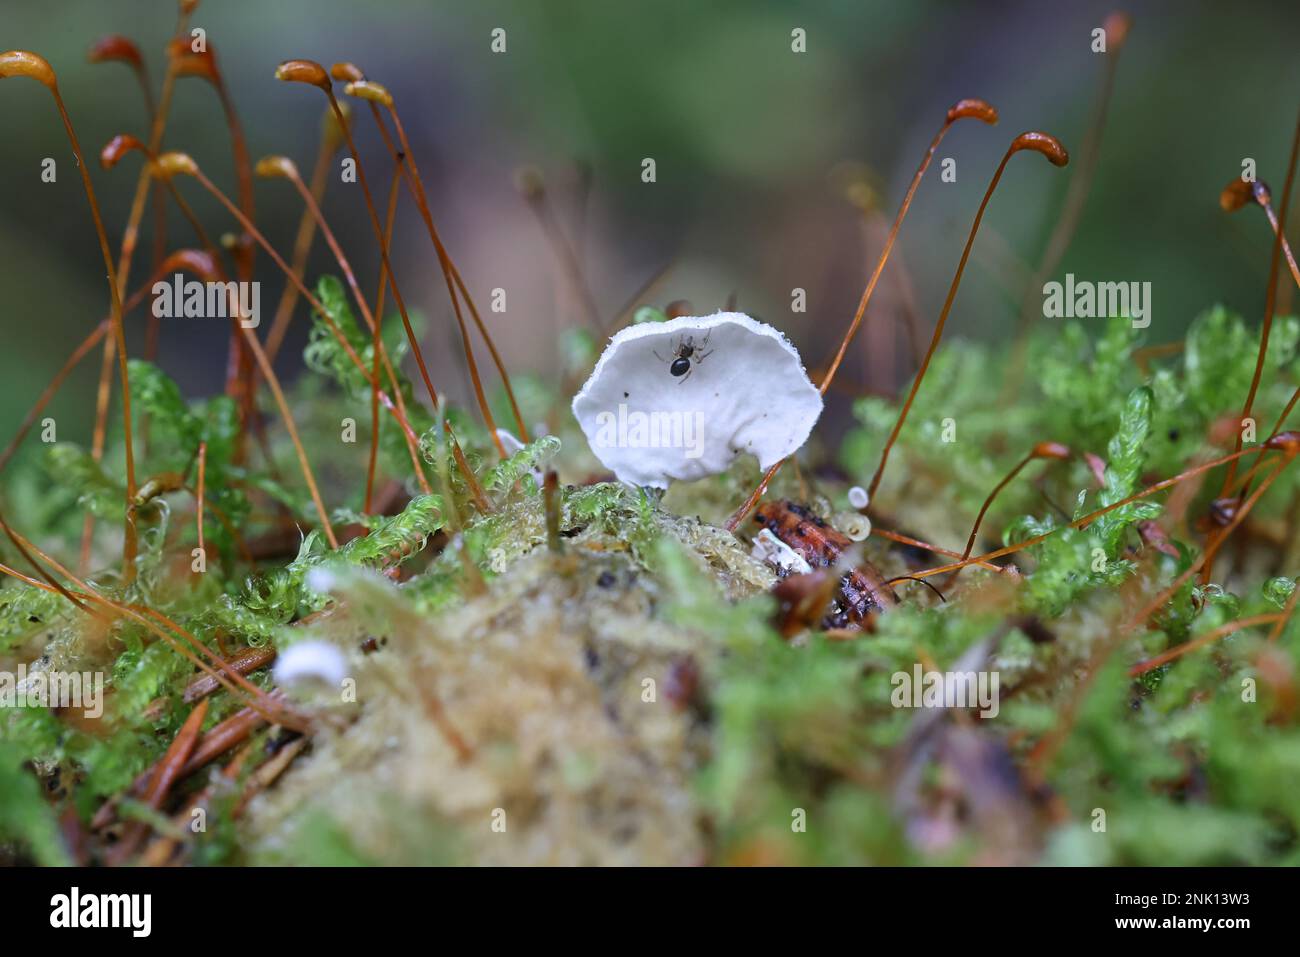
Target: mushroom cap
310,661
745,391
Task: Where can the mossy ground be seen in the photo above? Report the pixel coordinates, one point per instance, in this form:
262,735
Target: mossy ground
625,697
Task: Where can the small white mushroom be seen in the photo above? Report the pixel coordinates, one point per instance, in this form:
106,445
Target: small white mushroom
321,580
855,526
784,559
310,661
681,399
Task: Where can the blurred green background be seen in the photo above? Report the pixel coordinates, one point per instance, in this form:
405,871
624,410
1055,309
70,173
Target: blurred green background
750,142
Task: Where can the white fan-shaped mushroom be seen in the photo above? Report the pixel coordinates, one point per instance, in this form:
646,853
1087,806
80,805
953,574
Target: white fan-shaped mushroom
681,399
310,661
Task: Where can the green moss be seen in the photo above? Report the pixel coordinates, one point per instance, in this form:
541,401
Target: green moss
540,659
